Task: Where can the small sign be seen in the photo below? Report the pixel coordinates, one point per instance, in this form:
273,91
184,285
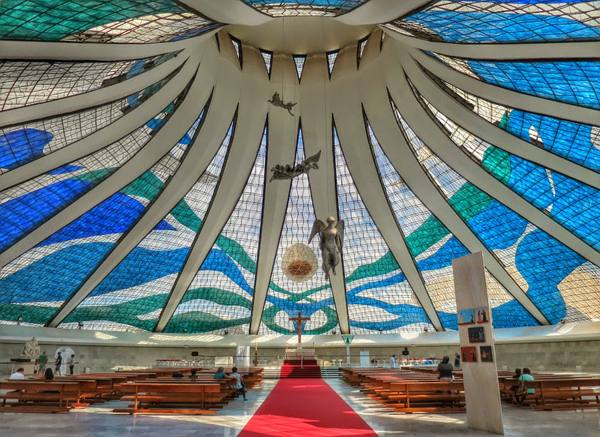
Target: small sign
347,339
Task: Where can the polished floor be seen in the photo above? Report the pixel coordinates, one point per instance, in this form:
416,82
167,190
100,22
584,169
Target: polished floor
99,421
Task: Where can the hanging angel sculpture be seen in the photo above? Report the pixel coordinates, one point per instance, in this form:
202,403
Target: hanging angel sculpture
330,242
282,172
276,101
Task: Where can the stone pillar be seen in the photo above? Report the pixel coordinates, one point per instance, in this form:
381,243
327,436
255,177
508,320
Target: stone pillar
484,409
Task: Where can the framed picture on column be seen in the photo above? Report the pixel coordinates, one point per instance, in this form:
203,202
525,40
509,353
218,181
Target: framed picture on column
468,354
486,354
466,317
482,315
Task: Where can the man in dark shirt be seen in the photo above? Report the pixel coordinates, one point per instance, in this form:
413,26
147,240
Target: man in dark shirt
58,364
445,370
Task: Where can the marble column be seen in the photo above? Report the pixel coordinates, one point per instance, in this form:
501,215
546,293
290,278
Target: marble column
484,410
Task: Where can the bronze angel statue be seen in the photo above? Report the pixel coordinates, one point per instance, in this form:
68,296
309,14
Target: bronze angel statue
278,102
282,172
330,242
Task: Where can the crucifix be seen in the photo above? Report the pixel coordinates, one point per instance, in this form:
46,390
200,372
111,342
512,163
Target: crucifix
299,321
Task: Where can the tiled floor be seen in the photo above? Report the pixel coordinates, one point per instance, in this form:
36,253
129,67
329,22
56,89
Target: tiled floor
98,421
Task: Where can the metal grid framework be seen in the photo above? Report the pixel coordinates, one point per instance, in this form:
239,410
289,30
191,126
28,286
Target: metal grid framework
538,263
299,60
129,21
30,204
503,21
220,295
573,141
50,266
27,142
316,8
312,297
137,300
541,79
433,247
379,296
29,83
268,58
569,202
80,246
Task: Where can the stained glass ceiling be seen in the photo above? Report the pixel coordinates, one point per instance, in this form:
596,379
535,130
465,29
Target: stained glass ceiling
136,182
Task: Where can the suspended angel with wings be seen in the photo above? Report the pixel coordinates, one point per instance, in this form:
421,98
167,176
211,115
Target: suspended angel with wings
330,242
283,172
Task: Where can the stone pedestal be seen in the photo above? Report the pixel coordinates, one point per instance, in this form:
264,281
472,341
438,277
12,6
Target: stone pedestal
29,366
484,409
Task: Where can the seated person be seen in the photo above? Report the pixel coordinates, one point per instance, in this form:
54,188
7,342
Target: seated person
517,375
177,375
193,374
526,376
48,375
445,370
19,374
220,374
239,385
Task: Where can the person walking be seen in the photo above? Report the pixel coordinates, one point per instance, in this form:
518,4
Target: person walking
58,364
71,363
393,362
43,361
239,384
456,359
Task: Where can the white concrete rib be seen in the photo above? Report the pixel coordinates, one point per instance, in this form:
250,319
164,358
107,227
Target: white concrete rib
380,11
282,135
492,134
73,51
101,96
152,152
317,128
102,137
229,11
402,158
445,149
196,161
252,93
500,52
504,96
346,104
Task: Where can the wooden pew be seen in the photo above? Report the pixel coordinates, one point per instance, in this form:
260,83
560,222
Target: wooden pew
562,393
42,396
153,398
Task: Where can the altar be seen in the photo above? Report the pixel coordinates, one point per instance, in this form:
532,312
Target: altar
297,354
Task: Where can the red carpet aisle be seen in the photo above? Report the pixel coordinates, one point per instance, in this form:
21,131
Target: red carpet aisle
299,369
305,407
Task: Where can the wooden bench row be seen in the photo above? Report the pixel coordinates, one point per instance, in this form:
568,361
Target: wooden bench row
551,391
78,391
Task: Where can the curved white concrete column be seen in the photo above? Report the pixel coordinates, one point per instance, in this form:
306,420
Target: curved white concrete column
492,134
442,146
504,96
501,51
380,11
199,156
282,135
74,51
229,11
152,152
400,154
318,135
97,97
345,101
105,136
252,92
